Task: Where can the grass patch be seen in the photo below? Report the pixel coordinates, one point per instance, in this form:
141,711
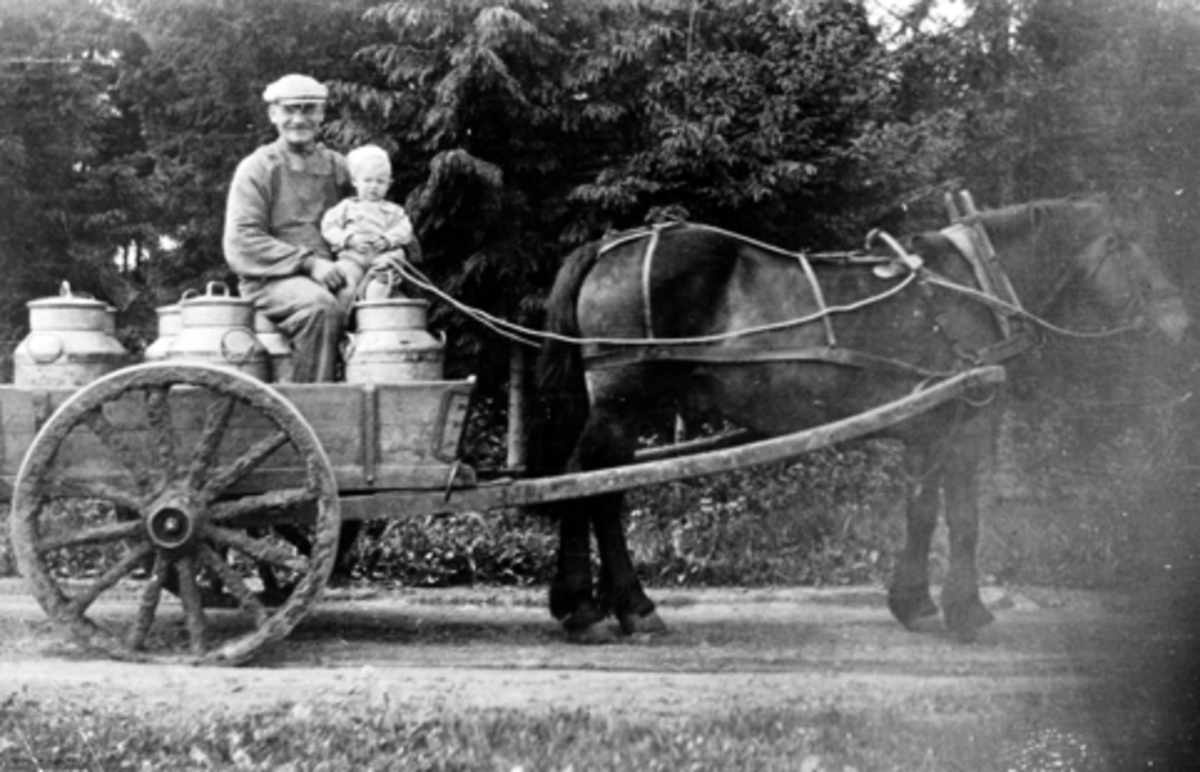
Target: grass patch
42,736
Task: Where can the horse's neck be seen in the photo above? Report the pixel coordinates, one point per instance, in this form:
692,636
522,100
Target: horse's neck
1038,269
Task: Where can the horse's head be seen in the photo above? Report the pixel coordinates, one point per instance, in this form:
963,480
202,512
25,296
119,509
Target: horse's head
1124,277
1078,247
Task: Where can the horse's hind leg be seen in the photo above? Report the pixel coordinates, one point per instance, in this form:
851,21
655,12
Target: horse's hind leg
619,583
908,597
572,601
611,442
607,440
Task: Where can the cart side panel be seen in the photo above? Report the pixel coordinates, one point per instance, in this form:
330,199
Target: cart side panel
395,436
22,411
382,436
389,436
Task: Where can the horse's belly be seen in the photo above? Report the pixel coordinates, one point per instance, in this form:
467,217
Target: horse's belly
781,398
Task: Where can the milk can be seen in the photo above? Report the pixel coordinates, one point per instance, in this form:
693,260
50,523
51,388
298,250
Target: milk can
69,343
279,351
218,328
391,344
170,322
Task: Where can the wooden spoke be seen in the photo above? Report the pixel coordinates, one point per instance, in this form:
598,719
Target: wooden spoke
100,534
122,568
233,583
162,429
193,604
184,444
259,549
148,604
93,489
216,421
229,474
118,447
261,504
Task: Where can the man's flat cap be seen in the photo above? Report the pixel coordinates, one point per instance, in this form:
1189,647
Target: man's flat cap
296,88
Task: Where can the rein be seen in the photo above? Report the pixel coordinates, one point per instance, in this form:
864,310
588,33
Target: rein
911,267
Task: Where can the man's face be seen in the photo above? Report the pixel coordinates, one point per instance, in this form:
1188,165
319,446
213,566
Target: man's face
297,122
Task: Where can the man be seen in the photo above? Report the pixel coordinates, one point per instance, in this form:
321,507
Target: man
273,239
273,227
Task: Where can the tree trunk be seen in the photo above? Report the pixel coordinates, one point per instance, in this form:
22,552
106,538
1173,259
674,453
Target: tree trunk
516,456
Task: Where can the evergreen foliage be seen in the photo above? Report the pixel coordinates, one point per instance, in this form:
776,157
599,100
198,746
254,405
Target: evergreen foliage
521,128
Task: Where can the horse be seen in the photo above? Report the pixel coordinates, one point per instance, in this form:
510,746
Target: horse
778,342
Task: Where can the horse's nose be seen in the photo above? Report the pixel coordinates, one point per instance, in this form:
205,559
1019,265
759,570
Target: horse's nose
1171,318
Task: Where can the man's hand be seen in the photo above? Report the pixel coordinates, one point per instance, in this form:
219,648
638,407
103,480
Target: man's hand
326,273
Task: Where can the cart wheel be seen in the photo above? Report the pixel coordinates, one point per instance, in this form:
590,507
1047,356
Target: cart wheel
135,484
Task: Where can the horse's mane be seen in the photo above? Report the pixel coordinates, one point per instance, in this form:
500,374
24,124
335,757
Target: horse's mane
1055,224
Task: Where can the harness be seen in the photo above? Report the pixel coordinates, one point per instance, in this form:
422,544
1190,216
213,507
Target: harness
707,350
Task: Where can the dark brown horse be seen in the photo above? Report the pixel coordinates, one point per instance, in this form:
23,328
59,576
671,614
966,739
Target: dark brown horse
777,343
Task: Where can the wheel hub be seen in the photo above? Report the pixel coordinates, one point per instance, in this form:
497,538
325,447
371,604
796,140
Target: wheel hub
171,526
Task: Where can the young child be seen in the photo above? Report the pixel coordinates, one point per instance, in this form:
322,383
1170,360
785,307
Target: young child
366,232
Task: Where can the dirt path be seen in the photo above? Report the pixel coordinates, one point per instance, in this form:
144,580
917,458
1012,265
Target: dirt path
728,650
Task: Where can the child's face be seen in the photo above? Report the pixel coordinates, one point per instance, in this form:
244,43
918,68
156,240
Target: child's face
372,186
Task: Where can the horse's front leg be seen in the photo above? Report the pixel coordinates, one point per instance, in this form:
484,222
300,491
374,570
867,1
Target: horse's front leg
908,597
964,611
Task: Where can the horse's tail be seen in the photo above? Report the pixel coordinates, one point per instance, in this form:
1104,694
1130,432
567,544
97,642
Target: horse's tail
560,406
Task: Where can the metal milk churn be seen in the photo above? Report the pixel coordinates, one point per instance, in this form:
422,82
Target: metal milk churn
170,322
279,351
70,343
391,343
218,329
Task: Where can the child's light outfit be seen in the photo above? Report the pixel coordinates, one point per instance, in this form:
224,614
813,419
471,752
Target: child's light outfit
355,216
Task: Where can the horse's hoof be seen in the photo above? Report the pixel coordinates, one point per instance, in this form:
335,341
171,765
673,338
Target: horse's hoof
910,608
592,635
967,621
643,624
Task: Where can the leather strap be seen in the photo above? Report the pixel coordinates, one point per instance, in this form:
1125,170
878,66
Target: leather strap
609,357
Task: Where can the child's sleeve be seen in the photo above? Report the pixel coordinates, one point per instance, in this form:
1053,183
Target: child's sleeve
399,230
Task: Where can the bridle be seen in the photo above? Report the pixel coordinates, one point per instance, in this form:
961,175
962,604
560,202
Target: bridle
1067,277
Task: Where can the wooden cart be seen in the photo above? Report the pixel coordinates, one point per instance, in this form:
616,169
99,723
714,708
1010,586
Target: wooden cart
228,493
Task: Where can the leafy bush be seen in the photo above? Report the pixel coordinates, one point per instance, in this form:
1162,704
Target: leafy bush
821,521
504,547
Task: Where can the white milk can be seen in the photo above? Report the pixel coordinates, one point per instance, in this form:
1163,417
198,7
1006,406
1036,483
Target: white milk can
391,344
70,343
170,322
218,329
279,350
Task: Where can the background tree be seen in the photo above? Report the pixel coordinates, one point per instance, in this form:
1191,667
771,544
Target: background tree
70,192
523,127
197,96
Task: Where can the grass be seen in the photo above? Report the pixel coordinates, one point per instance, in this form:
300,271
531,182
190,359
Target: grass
301,737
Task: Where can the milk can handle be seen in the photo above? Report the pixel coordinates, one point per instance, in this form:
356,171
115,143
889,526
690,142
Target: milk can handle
212,285
64,291
393,281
